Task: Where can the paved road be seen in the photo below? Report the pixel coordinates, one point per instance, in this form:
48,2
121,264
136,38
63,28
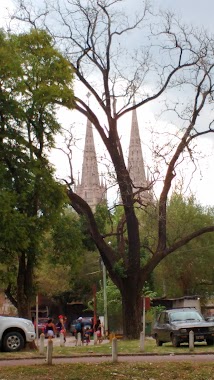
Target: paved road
99,359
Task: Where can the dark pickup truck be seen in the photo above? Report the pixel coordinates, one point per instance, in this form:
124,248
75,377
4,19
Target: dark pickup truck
174,326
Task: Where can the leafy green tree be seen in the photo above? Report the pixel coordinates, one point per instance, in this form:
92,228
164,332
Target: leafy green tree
34,78
74,268
114,305
190,270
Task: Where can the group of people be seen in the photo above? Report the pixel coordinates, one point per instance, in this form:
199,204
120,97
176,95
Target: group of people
61,326
86,332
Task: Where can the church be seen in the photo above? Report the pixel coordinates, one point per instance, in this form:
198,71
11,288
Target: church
92,187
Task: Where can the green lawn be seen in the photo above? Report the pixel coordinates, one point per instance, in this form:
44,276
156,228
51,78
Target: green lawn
124,347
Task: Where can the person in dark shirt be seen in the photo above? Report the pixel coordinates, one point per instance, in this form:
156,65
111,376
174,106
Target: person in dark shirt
87,335
80,329
50,329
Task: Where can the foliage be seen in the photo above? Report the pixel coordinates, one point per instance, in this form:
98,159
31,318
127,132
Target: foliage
35,78
67,239
188,271
152,313
73,268
102,219
114,303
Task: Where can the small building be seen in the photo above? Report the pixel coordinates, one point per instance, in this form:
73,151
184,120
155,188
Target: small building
172,303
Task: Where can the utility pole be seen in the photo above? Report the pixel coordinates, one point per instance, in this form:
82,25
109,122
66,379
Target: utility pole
37,319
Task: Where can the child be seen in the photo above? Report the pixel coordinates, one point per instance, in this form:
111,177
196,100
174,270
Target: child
87,336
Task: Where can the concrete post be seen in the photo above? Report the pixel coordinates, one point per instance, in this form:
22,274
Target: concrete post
191,341
142,341
114,350
49,351
61,340
79,342
95,337
42,344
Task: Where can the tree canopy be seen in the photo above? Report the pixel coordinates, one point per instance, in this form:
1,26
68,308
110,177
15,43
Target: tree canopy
34,79
189,271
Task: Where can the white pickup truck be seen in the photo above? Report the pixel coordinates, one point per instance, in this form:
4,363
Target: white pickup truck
15,333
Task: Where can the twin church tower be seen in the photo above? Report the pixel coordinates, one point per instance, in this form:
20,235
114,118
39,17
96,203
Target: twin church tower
91,188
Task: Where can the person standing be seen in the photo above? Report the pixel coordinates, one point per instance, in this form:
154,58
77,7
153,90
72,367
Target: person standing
79,327
98,329
87,335
50,329
61,326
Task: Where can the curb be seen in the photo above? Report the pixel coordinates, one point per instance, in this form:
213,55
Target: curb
109,355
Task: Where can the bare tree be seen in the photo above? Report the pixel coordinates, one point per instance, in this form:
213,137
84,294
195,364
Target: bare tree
119,57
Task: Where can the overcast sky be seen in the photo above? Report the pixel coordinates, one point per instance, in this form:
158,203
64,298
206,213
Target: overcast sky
198,13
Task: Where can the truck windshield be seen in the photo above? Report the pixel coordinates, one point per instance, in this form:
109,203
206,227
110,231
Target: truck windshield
185,316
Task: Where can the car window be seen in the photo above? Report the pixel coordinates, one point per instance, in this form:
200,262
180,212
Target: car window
192,315
162,318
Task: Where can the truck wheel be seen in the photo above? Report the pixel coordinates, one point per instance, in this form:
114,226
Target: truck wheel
158,341
175,341
13,341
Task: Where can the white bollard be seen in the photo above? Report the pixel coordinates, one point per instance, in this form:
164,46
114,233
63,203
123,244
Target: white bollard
95,338
142,341
61,340
49,351
42,344
191,341
114,350
79,341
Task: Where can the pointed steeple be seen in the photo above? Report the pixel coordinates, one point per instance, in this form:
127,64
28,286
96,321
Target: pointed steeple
90,188
90,175
136,166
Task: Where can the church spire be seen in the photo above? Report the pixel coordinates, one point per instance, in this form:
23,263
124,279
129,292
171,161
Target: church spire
136,166
90,188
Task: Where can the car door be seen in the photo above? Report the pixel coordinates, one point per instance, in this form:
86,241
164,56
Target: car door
160,327
167,328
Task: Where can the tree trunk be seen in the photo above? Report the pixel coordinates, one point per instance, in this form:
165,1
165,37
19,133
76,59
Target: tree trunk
131,312
24,287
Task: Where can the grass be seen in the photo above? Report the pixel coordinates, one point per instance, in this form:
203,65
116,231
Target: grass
110,371
124,347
